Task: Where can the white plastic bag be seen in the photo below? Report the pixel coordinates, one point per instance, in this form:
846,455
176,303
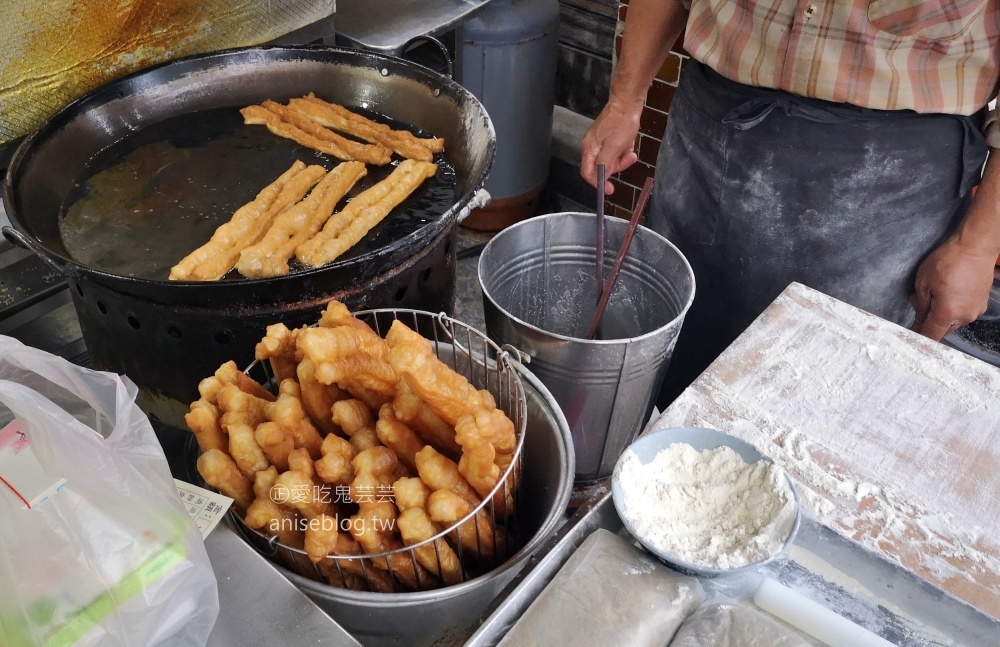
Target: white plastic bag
111,558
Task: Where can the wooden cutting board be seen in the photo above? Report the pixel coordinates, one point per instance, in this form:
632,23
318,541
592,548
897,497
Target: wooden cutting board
893,440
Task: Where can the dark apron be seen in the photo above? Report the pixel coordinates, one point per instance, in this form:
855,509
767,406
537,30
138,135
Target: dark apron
759,188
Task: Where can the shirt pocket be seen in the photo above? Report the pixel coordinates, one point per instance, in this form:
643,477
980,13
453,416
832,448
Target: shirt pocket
931,19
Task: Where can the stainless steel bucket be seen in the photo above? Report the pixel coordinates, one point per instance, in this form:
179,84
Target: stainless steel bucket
539,296
448,615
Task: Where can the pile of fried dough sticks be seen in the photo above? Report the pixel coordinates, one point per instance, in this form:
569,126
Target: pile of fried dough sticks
371,445
282,222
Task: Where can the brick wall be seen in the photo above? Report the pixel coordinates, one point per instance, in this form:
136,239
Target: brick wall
586,49
628,183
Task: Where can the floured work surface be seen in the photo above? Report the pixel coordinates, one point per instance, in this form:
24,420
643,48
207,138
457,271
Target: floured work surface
893,440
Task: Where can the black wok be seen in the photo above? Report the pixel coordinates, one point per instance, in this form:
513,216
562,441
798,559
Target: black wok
167,335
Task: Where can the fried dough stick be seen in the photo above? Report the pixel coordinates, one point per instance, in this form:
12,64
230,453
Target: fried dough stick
441,473
449,394
346,229
270,518
478,534
397,436
324,539
276,441
203,421
437,557
318,399
415,526
245,228
228,373
372,528
437,433
337,314
239,407
303,131
337,117
297,224
349,357
220,472
335,465
355,419
479,468
298,490
493,427
222,239
278,347
243,447
411,492
288,412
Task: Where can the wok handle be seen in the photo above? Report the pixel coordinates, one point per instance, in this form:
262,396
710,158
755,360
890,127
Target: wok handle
18,239
479,200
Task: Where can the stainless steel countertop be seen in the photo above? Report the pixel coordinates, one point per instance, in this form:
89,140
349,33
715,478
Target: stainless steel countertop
821,565
258,605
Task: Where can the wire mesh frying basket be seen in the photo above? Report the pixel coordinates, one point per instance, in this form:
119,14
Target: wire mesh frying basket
483,538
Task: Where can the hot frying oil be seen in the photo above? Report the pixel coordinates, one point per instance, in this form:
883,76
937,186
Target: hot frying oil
142,204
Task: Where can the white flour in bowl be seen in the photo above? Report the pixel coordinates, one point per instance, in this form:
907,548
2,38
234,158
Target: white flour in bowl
708,508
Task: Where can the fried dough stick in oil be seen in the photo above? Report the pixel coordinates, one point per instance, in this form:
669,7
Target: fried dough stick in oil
312,135
345,229
221,240
240,232
297,224
337,117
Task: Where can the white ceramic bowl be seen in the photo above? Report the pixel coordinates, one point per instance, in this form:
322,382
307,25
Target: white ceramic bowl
647,447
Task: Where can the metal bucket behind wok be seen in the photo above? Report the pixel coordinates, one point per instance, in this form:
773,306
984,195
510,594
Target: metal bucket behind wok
165,335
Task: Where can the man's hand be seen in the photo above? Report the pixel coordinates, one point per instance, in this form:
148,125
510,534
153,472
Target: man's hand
651,28
952,288
610,141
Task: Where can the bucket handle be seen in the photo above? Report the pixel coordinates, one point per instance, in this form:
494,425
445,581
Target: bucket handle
520,356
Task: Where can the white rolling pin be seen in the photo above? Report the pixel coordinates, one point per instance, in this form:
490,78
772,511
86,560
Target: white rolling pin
813,618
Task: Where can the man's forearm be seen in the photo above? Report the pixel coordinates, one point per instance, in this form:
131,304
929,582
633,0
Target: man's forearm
980,230
651,28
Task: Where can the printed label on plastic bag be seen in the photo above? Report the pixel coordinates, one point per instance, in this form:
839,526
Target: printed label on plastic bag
205,507
20,471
